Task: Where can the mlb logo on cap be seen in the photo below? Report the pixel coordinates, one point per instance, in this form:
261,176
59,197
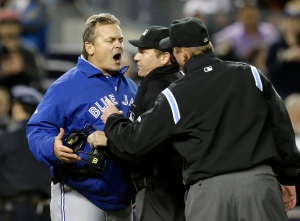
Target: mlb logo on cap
145,32
151,38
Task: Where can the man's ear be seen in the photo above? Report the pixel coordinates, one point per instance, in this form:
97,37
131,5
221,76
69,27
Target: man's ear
185,54
165,58
89,48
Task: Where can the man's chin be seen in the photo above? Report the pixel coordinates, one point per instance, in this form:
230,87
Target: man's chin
141,73
114,69
117,65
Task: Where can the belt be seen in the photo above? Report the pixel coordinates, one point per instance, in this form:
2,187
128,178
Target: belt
139,184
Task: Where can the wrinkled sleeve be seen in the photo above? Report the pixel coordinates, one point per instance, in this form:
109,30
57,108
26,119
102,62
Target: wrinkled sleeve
44,126
283,134
144,134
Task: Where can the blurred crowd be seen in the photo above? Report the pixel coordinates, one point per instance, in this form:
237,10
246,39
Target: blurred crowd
261,32
266,36
264,33
24,182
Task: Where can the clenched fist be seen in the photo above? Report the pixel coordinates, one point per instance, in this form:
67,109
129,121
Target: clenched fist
110,109
97,139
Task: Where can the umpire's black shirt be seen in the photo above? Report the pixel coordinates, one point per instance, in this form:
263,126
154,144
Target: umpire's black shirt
164,161
223,117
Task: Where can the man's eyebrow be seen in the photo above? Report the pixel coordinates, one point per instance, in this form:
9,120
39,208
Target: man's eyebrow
114,38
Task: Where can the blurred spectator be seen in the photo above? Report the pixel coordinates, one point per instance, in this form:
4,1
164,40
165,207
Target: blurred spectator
207,7
273,5
248,32
292,103
262,4
283,60
4,108
34,17
17,64
257,57
214,13
3,3
24,182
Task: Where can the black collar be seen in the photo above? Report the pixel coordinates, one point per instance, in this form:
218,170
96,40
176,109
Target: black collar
200,61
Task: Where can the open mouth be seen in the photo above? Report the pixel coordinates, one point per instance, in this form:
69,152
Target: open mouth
117,57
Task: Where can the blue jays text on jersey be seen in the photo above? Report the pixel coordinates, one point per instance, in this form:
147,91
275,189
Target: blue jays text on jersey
72,101
97,109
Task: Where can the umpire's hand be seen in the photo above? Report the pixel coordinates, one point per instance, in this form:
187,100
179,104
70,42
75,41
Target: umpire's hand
110,109
289,197
63,153
97,139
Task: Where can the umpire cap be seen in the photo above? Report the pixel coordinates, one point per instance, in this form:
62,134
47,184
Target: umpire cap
186,32
26,95
151,38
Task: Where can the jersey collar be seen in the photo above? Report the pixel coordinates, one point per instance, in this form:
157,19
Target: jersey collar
90,70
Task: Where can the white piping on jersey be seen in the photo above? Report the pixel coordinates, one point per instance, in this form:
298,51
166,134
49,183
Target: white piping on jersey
256,78
62,201
173,104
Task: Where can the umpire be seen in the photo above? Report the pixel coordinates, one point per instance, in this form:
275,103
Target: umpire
228,123
24,182
157,175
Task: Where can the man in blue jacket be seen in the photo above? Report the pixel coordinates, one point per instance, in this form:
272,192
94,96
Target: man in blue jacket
80,189
158,174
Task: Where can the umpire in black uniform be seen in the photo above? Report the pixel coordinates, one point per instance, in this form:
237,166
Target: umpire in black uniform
157,176
229,124
24,182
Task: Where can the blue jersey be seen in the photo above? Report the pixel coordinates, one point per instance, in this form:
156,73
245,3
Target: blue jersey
73,100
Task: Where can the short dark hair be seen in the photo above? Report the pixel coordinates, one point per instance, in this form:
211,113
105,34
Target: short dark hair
172,58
